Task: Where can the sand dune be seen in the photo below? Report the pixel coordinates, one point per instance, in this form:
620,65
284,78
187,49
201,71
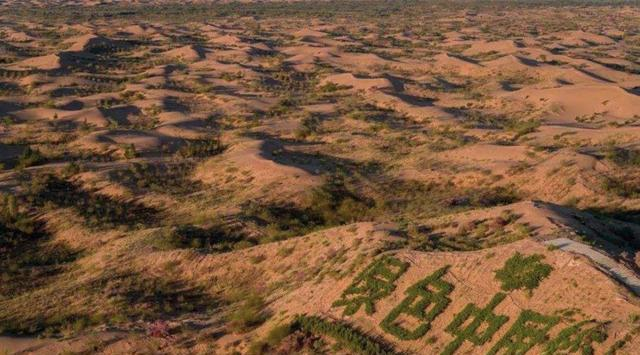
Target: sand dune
568,103
194,176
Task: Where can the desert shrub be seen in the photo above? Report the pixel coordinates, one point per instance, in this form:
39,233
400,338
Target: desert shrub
496,196
522,127
529,329
410,198
130,151
309,125
284,106
619,344
622,186
272,339
277,333
447,138
336,204
473,235
133,297
97,210
330,87
523,272
329,205
63,324
248,315
347,336
201,148
481,318
375,282
15,224
139,296
216,238
25,252
420,298
71,169
30,157
578,337
622,156
482,120
159,178
281,221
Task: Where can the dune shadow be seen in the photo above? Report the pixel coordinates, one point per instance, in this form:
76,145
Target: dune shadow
594,75
121,114
413,100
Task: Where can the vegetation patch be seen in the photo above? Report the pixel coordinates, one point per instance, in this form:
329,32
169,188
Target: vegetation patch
523,272
421,303
576,338
26,257
30,157
473,235
201,148
169,178
481,318
529,329
623,157
348,336
215,238
248,315
372,284
97,210
330,205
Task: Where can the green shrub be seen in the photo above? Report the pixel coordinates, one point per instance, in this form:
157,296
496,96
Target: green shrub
622,156
97,210
215,238
130,151
201,148
248,315
529,329
622,186
329,205
347,336
481,318
30,157
523,272
577,337
272,340
159,178
419,299
373,283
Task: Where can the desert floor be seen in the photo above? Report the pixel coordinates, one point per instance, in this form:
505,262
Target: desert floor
416,177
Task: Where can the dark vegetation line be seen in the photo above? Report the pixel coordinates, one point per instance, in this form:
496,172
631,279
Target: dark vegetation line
336,8
345,336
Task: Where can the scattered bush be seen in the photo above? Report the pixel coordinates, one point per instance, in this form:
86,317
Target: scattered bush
622,156
271,341
15,224
248,315
167,178
201,148
330,205
216,238
98,210
30,157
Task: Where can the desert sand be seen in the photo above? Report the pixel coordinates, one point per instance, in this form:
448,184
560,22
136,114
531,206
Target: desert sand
326,177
